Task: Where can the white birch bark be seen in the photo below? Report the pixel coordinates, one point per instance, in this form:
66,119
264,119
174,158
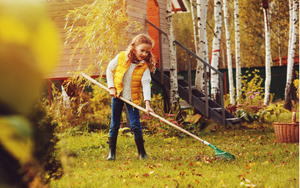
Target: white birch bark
216,49
279,41
174,97
237,50
268,59
291,55
229,60
199,69
206,46
203,37
223,55
290,27
194,26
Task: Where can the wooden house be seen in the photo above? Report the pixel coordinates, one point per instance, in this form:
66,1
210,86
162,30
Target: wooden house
140,10
155,12
284,60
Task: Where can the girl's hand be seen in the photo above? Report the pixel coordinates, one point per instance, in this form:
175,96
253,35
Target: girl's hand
113,92
148,108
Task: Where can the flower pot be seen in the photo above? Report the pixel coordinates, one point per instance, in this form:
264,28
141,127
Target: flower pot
287,132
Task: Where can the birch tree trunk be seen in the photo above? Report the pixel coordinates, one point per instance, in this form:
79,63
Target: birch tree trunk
174,97
291,55
194,27
205,7
279,46
229,60
223,54
237,50
279,42
203,36
290,27
268,59
216,49
199,68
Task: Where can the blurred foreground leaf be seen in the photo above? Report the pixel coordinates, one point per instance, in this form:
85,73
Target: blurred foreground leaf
15,137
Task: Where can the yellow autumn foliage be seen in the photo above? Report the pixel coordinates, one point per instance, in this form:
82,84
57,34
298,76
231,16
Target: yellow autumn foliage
296,84
15,137
29,49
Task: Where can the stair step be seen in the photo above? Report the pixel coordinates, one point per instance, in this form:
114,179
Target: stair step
184,105
203,98
217,109
193,87
184,93
180,78
233,120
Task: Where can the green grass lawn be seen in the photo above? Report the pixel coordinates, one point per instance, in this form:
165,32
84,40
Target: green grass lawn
260,161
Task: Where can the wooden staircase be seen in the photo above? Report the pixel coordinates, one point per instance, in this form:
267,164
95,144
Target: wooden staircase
198,99
201,102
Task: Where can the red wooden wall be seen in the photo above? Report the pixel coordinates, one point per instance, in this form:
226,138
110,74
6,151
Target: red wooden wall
153,16
284,60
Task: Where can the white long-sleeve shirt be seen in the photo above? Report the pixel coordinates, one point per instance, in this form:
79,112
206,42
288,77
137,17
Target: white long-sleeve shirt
126,93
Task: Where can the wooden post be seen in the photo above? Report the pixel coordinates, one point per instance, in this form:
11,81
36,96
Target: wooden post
222,100
161,59
294,89
205,92
225,85
189,77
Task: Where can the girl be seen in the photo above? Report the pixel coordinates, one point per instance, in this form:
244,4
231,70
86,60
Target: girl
126,74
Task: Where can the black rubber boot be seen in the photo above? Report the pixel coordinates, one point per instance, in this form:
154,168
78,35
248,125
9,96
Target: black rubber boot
112,142
141,150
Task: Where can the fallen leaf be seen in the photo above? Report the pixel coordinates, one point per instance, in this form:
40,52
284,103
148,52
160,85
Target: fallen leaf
146,175
248,181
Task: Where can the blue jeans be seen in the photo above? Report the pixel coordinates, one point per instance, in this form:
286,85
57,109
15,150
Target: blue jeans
116,113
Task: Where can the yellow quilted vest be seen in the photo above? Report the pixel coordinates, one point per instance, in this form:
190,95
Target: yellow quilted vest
136,84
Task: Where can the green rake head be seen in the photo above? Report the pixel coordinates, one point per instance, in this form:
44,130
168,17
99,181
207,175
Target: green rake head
219,153
224,155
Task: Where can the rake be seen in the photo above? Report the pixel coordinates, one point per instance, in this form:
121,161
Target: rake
219,153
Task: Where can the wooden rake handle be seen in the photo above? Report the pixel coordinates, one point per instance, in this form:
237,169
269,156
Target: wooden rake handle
143,109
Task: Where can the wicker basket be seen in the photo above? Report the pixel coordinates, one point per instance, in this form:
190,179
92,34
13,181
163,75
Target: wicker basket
287,132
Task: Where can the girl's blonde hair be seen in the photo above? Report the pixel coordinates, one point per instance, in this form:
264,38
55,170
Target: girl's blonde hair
137,40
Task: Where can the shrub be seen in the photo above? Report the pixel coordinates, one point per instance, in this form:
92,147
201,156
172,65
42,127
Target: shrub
45,141
251,88
185,119
263,114
274,113
296,84
87,111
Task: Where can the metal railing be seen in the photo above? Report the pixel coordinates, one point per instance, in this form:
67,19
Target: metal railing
190,53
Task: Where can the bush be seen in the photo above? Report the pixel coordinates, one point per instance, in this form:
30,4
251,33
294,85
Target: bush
45,141
186,119
296,84
85,111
